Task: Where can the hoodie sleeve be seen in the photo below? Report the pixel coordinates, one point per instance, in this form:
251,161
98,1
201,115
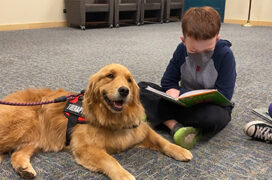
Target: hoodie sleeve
225,82
171,76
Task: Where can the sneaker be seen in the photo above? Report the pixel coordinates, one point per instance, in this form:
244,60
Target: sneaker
186,137
259,130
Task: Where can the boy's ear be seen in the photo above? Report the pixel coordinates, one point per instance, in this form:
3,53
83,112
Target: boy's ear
182,39
218,37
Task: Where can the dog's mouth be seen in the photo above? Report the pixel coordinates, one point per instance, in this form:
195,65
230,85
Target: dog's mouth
116,105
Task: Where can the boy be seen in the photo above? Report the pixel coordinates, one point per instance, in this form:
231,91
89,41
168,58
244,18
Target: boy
201,61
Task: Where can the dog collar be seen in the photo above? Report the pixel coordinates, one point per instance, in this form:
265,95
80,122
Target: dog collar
133,126
136,125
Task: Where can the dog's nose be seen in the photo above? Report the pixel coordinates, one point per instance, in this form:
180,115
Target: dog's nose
123,91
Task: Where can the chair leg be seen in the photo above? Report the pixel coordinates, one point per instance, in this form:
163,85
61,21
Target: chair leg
142,15
82,16
116,13
110,19
111,10
167,13
161,16
162,10
138,12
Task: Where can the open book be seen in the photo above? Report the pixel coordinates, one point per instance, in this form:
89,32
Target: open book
262,113
194,97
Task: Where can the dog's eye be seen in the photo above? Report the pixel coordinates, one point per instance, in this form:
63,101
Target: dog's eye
129,80
110,76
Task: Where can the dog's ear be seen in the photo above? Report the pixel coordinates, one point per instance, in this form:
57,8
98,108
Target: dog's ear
89,94
136,94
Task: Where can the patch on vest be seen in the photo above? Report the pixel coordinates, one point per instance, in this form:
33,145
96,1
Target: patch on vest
74,108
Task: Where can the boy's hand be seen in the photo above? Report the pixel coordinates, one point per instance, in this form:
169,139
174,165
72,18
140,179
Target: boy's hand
173,92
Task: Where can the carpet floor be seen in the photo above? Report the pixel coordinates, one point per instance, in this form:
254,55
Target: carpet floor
66,57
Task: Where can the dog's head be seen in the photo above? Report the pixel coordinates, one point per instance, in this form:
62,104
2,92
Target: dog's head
113,93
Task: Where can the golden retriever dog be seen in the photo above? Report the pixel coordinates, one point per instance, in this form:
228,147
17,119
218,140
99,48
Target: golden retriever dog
114,115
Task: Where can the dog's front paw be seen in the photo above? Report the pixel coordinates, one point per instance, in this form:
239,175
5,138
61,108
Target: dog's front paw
185,156
179,153
26,173
124,175
1,158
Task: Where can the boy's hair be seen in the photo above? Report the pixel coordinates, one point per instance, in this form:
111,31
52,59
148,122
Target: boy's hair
201,23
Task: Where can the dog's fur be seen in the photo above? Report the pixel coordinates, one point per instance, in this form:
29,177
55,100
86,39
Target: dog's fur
114,113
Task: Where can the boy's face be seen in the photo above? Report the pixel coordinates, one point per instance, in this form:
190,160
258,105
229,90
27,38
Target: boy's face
199,46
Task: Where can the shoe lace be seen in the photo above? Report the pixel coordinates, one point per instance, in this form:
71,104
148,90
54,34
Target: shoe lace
263,133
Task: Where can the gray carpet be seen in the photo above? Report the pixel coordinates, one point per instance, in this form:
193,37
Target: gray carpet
66,57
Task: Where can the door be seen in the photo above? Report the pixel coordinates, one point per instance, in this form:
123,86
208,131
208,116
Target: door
219,5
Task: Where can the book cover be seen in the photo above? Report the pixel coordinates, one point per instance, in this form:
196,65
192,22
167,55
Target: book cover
262,113
191,98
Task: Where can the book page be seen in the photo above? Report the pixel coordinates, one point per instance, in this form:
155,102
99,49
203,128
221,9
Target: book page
197,92
160,93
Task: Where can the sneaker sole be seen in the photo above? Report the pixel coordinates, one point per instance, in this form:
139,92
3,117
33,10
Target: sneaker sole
182,133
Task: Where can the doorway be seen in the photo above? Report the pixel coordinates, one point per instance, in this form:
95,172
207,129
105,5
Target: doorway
218,5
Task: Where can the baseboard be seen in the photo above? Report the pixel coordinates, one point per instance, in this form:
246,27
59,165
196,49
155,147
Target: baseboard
254,23
11,27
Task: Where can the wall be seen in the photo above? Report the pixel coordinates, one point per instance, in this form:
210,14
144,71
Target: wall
16,13
24,14
237,11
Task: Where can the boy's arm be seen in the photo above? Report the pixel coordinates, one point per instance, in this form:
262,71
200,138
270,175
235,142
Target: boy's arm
225,82
171,76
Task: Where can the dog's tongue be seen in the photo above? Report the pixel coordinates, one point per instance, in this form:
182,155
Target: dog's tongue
118,104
